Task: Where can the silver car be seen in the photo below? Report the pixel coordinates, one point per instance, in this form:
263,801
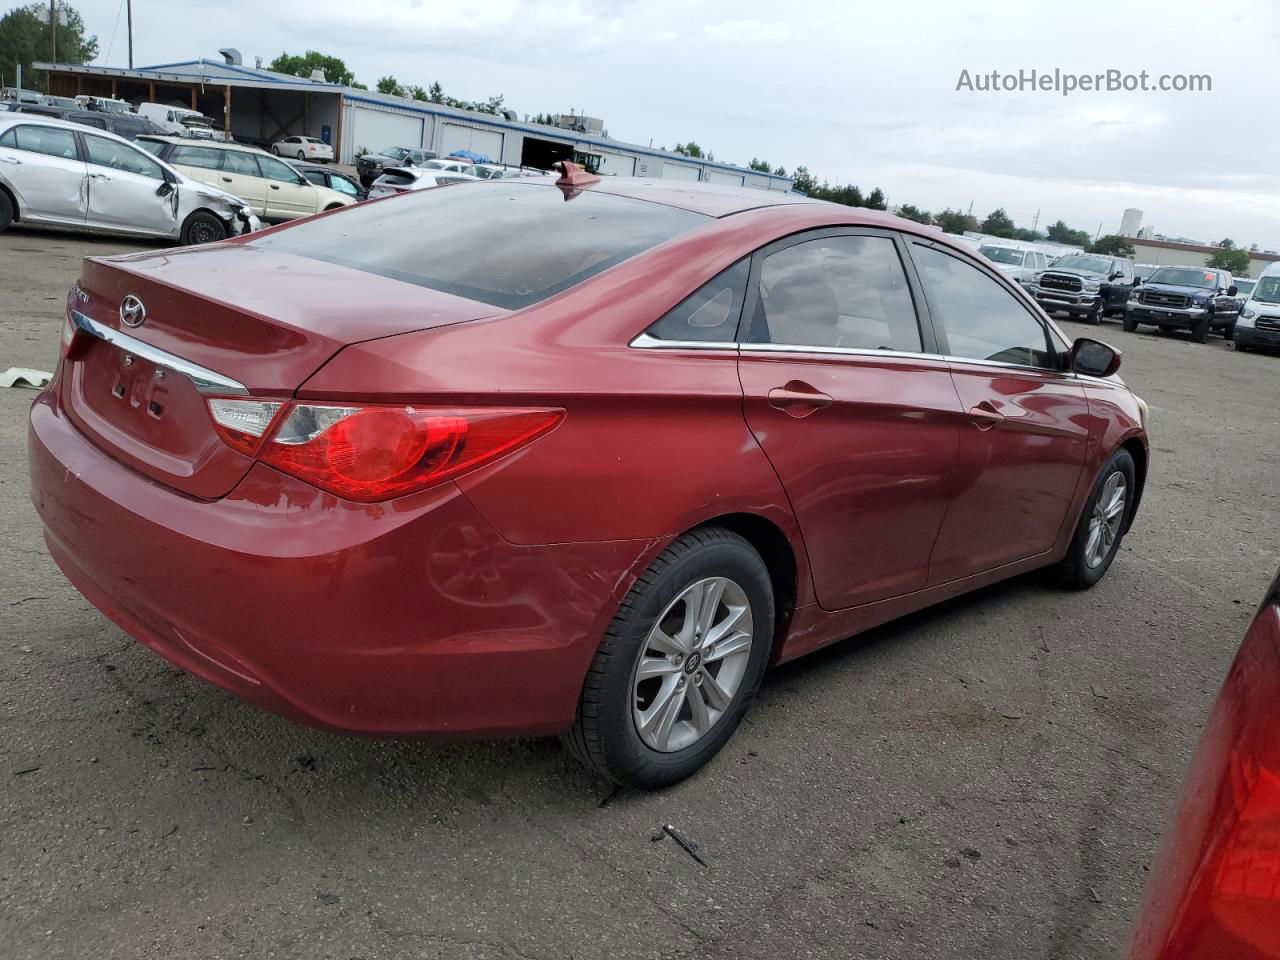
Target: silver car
59,174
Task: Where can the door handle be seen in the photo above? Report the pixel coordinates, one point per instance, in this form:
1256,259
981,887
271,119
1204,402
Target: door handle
274,187
98,176
226,179
798,399
984,416
13,160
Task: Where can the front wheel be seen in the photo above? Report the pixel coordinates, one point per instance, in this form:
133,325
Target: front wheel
679,664
300,156
1200,332
1102,523
1094,315
6,211
276,151
1130,323
203,227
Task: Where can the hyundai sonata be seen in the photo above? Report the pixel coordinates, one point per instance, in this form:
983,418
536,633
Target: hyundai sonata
587,469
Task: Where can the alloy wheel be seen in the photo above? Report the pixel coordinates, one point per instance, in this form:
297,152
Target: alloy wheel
692,664
1108,515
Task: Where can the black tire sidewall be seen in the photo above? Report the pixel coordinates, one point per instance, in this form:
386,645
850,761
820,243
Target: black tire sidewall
197,218
6,211
629,758
1075,568
1130,325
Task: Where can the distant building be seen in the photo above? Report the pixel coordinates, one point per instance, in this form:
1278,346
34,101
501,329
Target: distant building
1131,222
1167,253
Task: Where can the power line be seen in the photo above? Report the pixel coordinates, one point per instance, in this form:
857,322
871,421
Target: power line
112,43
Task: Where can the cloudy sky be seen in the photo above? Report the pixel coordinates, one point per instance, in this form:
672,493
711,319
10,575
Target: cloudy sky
862,93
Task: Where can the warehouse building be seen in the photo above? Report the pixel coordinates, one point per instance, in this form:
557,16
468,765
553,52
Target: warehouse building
1167,253
259,106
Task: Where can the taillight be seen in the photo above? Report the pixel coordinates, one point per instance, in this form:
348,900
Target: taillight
367,452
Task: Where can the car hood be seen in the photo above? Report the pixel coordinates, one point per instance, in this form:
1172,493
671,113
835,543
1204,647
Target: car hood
1074,272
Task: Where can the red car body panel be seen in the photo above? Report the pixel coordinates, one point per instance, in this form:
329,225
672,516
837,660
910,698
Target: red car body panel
407,615
1215,888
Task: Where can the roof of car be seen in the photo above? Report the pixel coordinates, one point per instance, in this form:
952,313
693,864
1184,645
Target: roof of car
711,199
202,142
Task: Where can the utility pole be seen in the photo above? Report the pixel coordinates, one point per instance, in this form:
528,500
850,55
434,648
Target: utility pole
1098,234
1035,220
53,30
129,5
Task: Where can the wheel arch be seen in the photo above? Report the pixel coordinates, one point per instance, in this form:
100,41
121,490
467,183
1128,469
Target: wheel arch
779,555
1138,450
13,202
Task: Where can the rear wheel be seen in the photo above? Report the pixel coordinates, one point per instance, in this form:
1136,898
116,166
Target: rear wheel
300,156
6,210
203,227
679,664
1102,523
275,150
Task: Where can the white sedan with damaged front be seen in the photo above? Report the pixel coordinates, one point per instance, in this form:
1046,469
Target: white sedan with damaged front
69,176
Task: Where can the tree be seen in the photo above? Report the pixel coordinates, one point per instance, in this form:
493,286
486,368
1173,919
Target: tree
335,71
25,36
436,93
416,92
492,105
1231,259
998,224
689,149
1029,236
1112,245
390,85
1061,233
1227,244
909,212
804,181
761,165
780,171
875,200
955,221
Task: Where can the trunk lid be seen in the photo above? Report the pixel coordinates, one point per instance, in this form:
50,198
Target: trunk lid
259,318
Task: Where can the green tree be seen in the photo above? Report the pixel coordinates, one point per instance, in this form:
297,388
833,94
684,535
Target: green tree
1113,245
390,85
335,71
780,171
416,92
955,221
804,181
689,149
436,93
26,36
1231,259
357,85
1227,244
761,165
998,224
492,105
1061,233
875,200
910,212
1029,236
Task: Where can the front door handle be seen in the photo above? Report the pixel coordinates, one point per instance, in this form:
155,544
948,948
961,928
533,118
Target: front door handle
274,187
13,160
226,179
984,416
98,176
798,399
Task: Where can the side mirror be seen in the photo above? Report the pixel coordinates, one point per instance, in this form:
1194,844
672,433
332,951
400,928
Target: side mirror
1137,281
1115,276
1232,290
164,189
1094,358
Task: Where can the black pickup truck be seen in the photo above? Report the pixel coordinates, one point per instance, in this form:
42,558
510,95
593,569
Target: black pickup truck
1194,298
1088,285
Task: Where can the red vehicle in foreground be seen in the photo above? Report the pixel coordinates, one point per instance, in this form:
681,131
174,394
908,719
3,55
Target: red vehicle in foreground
1215,889
580,457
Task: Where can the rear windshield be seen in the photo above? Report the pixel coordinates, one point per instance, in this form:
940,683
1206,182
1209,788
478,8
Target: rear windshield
500,242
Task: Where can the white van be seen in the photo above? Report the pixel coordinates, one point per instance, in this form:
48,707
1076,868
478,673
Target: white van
175,120
1258,324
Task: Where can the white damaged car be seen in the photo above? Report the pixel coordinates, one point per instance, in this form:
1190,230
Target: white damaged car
59,174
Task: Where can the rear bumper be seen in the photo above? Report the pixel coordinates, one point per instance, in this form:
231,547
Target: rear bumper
409,617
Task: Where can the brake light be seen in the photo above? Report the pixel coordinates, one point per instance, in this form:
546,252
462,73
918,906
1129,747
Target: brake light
375,452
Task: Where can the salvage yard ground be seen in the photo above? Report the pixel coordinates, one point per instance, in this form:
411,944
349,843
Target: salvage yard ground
982,780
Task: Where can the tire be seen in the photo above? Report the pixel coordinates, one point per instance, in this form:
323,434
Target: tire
203,227
1086,562
1094,315
275,150
1229,332
1200,332
6,211
1130,324
1239,346
607,731
300,155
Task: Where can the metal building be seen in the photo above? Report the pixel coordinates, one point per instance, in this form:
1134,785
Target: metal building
260,106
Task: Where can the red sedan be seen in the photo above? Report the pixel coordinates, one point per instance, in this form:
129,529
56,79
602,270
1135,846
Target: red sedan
579,457
1215,890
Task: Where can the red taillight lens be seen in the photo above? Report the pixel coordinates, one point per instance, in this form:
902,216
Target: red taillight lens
377,452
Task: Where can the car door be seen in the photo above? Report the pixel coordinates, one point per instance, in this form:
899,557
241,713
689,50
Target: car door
288,193
240,175
1022,451
861,424
45,169
1225,306
1120,288
127,189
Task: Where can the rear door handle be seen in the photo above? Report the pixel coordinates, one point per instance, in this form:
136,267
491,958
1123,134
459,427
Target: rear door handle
98,176
226,179
274,187
985,416
798,399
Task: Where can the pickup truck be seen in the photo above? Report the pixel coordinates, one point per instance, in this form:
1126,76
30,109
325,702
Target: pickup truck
1198,299
1088,285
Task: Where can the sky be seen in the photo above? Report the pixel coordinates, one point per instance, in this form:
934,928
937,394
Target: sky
858,93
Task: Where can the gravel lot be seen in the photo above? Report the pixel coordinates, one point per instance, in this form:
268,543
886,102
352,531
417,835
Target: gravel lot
986,779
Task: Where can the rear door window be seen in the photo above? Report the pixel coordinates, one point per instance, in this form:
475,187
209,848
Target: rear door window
205,157
239,163
508,243
274,169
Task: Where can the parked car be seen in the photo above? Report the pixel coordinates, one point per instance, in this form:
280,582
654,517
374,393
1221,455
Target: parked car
1212,890
1086,285
54,173
105,104
127,125
395,180
323,175
370,165
1259,322
1022,265
1244,287
68,102
178,121
303,148
403,452
1190,298
272,189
